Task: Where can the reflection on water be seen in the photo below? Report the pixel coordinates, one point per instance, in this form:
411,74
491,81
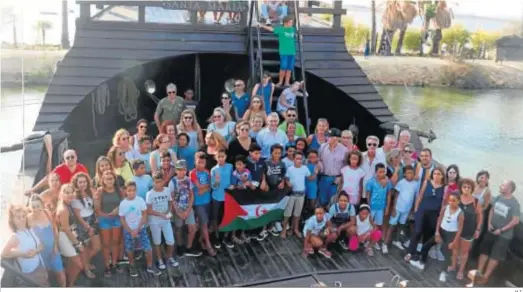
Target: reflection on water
476,129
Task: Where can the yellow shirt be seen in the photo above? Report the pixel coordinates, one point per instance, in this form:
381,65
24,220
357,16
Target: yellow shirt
126,172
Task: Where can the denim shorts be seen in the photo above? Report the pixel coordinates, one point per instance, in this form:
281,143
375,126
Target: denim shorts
106,223
287,62
142,240
178,222
377,216
400,217
164,228
202,212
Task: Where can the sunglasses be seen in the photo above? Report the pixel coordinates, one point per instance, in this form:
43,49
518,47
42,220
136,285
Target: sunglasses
291,116
124,138
70,157
256,101
173,92
217,117
238,85
225,97
244,129
143,127
407,151
187,118
372,145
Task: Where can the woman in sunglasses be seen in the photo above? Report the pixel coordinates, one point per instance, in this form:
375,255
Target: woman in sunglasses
121,165
122,139
141,130
256,108
227,105
406,156
190,126
220,122
265,89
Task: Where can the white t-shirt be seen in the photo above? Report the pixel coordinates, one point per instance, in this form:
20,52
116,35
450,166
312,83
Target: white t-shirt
297,177
160,202
86,209
290,99
408,190
132,211
351,180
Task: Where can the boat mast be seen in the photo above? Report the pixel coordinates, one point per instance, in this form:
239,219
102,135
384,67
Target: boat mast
23,103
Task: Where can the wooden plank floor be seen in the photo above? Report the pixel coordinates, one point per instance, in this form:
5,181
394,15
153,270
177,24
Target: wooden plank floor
270,259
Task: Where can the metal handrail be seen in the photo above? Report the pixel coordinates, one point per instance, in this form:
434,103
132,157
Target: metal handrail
302,64
8,265
258,35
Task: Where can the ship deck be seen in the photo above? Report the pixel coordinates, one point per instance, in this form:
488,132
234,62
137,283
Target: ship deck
275,258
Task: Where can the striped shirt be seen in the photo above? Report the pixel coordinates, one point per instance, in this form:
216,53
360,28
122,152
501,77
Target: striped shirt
332,160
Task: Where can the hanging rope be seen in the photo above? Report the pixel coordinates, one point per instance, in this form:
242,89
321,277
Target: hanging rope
128,94
101,99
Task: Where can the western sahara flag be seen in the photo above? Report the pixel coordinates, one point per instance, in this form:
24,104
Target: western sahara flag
247,209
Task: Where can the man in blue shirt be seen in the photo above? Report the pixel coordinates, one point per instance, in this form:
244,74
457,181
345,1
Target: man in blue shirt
271,135
240,99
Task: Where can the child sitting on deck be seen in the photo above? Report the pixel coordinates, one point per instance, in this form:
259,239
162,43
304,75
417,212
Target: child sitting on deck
316,230
343,218
132,212
220,180
287,48
159,205
378,191
367,232
296,176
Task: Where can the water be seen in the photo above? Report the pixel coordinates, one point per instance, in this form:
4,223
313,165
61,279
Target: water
476,129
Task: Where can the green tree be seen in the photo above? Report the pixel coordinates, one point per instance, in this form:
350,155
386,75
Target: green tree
455,36
481,37
355,34
42,26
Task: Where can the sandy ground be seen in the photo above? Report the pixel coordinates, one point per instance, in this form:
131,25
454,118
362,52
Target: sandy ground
436,71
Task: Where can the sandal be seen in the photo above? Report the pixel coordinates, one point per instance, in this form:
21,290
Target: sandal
289,232
370,252
407,257
298,234
324,252
283,235
211,251
460,276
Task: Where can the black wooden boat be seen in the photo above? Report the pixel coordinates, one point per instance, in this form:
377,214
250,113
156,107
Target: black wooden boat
120,43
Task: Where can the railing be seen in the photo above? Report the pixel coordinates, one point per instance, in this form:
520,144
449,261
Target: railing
10,268
302,65
251,45
258,36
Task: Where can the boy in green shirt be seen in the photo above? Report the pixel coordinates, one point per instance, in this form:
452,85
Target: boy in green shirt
286,38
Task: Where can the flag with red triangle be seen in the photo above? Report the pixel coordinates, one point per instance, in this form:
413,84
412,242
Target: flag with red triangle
247,209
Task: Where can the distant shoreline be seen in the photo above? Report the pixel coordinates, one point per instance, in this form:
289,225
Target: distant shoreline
395,70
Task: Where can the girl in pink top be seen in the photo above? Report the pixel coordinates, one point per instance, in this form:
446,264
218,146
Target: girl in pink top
352,176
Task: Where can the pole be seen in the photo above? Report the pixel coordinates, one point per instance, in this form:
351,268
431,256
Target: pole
23,104
65,26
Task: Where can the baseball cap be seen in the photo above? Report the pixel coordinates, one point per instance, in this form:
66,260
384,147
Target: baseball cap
180,164
334,132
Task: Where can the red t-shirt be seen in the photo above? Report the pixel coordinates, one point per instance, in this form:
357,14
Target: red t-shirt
66,175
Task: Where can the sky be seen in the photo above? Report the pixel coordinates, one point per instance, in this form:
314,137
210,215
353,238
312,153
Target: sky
34,10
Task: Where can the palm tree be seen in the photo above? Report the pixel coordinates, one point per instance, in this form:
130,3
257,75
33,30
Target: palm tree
9,17
409,12
42,26
373,30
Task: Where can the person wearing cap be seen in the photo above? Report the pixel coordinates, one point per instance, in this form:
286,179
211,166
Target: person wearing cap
332,156
169,108
265,89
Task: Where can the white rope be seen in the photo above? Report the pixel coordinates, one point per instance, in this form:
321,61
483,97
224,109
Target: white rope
101,99
128,95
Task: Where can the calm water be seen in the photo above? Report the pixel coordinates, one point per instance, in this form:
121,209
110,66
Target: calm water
476,129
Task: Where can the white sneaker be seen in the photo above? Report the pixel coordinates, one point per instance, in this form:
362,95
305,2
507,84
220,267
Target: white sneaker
377,246
418,264
384,249
398,245
406,243
268,22
419,247
443,277
432,253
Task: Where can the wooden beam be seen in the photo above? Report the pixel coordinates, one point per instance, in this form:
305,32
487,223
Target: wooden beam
85,11
336,19
141,14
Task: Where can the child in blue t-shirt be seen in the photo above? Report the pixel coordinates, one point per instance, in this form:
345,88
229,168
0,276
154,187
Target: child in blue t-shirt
315,231
241,177
143,181
220,180
311,185
201,179
288,160
378,191
407,190
184,151
296,176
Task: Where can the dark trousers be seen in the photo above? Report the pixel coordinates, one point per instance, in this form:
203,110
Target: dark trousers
429,220
446,238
